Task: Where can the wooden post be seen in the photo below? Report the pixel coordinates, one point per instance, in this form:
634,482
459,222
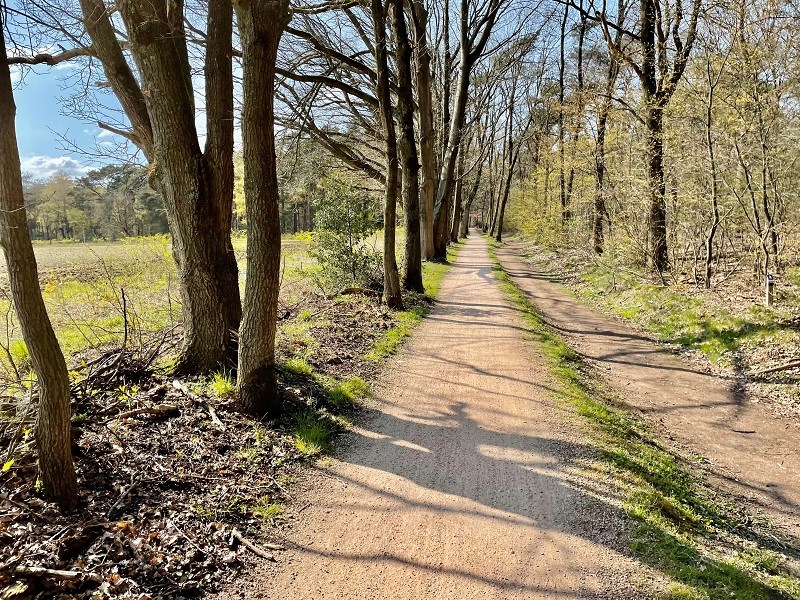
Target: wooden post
769,290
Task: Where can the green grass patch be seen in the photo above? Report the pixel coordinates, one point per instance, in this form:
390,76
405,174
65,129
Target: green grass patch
346,393
268,510
221,385
682,528
313,431
298,366
674,315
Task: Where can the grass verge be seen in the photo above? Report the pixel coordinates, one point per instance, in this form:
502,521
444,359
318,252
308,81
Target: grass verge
683,529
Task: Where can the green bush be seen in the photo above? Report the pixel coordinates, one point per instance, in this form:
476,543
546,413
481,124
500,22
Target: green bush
343,223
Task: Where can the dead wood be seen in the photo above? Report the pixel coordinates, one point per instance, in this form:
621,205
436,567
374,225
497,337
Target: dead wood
42,572
195,398
253,547
794,364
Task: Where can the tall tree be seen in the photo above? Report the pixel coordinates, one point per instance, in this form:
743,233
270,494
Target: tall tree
475,30
391,277
53,430
407,145
261,23
197,186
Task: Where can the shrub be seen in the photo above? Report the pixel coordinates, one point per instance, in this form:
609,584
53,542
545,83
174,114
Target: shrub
343,224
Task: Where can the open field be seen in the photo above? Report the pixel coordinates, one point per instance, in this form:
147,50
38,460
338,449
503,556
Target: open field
83,287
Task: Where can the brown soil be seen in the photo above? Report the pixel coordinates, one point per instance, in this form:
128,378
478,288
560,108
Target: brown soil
747,450
463,480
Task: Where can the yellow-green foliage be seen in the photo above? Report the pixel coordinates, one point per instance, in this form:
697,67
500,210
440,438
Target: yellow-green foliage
221,385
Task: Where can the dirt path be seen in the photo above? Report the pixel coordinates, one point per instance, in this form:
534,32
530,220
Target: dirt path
750,452
461,482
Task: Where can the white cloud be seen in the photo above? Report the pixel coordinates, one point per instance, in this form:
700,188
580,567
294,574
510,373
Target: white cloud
44,167
105,133
16,75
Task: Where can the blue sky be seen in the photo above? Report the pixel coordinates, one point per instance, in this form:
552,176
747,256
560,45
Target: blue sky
41,122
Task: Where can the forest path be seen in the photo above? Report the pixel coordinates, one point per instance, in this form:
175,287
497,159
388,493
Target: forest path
748,451
461,481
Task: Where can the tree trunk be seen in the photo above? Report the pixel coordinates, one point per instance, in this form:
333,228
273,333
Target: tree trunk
261,23
412,273
715,217
427,135
53,431
658,201
196,188
391,276
458,198
565,211
219,158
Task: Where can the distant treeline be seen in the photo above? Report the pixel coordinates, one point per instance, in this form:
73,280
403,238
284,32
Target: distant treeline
109,203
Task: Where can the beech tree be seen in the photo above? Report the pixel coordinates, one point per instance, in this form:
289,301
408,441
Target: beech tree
53,429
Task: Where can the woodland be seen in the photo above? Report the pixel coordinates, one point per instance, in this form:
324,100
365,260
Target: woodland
287,183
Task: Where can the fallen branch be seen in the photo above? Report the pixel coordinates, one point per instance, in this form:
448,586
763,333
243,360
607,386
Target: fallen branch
254,548
43,572
795,364
160,410
125,493
195,398
359,291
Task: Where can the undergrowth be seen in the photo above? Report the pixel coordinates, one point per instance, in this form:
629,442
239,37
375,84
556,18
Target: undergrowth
676,316
683,529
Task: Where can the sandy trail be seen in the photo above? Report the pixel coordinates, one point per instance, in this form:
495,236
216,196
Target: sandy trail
750,452
460,482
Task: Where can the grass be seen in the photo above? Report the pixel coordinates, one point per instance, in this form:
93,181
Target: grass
682,528
313,431
432,275
221,385
694,321
267,510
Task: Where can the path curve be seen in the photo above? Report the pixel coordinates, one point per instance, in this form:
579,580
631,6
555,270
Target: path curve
460,481
751,453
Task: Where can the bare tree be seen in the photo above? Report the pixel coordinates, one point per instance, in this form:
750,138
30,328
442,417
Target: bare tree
53,431
391,277
197,185
412,273
261,23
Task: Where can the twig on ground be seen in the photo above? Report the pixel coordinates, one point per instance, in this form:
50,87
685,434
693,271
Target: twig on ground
254,548
24,571
195,398
795,364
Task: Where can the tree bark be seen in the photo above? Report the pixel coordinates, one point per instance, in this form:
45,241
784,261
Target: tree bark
391,277
261,23
412,273
197,188
458,197
53,431
427,135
